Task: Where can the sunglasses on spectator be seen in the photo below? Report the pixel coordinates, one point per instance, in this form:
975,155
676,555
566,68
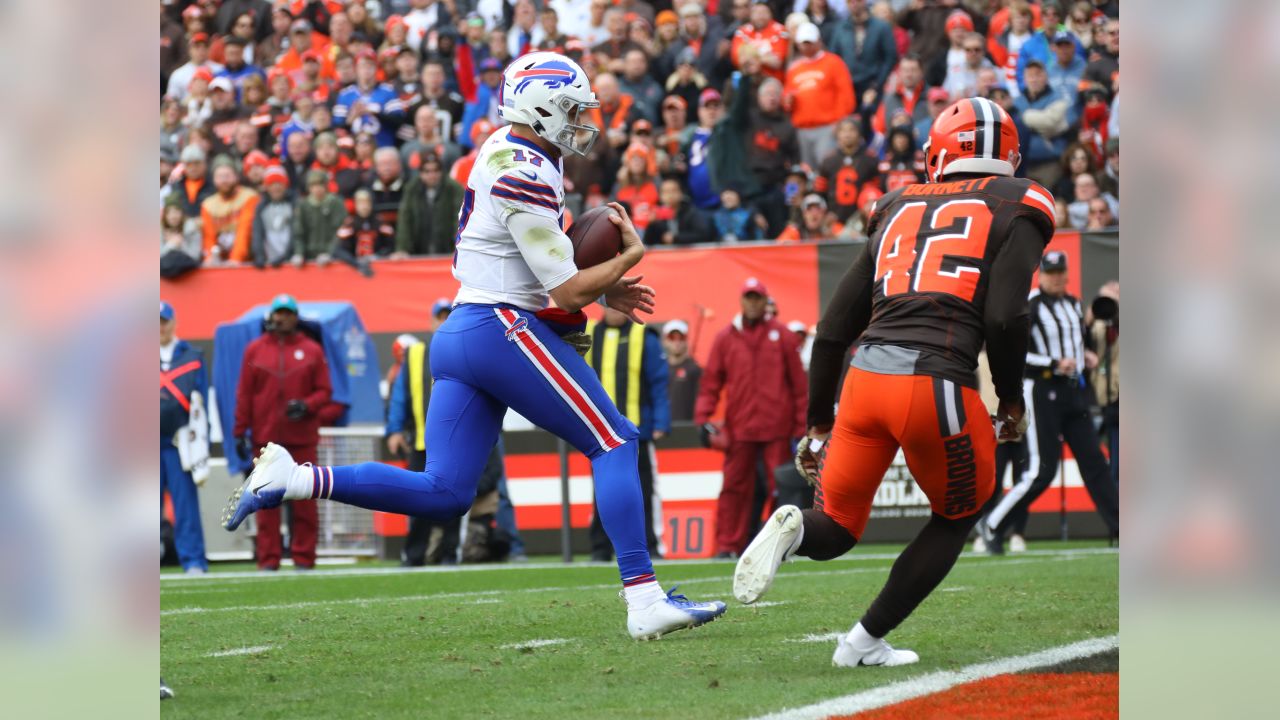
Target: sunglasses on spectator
642,132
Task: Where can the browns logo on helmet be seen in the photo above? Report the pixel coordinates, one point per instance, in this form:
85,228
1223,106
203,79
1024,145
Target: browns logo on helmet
973,135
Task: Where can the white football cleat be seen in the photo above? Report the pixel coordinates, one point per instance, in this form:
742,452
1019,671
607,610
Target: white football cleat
881,654
671,613
759,563
1017,544
264,488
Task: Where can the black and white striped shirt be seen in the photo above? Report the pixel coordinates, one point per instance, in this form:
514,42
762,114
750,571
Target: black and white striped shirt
1057,331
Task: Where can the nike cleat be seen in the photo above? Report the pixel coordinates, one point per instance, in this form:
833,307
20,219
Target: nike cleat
991,540
882,654
672,613
264,488
778,539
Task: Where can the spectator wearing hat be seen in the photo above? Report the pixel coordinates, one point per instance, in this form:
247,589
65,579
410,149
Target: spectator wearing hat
816,223
636,82
184,431
847,169
669,140
755,362
284,384
696,150
486,103
253,168
428,213
683,372
368,105
226,113
666,32
637,185
273,221
938,100
1065,66
198,54
676,222
866,45
227,215
928,23
1048,118
192,183
1040,45
818,93
961,80
959,27
903,162
316,220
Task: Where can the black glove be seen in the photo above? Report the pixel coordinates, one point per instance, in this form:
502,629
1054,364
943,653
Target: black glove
580,341
705,432
295,410
244,447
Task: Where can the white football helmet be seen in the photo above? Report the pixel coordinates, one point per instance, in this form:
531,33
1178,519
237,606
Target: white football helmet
548,91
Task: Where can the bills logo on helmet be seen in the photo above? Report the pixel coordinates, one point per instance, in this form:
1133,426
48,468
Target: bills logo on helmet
553,74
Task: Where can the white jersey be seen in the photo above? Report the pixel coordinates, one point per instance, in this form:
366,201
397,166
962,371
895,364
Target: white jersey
512,175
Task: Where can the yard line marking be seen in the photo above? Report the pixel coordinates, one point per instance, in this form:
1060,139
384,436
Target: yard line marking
242,651
957,588
768,603
250,576
824,637
530,644
485,601
555,588
942,680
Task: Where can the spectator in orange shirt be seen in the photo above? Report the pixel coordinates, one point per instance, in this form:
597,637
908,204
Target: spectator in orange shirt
767,36
818,93
461,170
227,215
301,39
636,186
815,222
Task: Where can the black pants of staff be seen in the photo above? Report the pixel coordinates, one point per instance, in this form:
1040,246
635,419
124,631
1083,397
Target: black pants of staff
1007,454
419,537
1060,412
601,548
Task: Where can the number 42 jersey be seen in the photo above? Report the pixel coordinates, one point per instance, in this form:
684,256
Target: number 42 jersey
947,269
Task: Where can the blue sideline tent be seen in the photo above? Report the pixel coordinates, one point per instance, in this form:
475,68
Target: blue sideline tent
352,358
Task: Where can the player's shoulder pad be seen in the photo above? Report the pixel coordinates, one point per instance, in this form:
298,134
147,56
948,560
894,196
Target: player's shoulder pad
881,205
1035,202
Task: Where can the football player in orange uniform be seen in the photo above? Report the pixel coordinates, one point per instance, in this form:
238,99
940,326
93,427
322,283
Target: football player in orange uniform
947,270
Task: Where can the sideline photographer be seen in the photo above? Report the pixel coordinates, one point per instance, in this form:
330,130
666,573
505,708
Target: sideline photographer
1103,321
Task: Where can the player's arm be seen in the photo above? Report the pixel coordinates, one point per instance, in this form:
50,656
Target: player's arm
1007,320
846,317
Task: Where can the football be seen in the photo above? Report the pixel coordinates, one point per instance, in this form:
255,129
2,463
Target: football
595,239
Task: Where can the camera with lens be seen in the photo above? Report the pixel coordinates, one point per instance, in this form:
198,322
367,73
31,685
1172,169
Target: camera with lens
1106,309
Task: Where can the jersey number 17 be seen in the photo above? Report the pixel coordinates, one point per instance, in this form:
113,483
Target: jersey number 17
939,262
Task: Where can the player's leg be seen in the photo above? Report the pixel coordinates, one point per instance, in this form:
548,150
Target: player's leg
950,449
304,518
859,452
462,426
1078,432
544,379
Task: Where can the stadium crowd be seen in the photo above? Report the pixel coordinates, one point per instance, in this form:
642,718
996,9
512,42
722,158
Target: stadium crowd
317,131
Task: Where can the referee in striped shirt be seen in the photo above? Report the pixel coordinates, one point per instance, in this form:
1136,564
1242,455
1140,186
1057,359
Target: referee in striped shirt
1057,407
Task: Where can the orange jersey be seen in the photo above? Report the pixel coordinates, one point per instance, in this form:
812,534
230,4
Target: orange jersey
461,171
819,89
772,40
228,223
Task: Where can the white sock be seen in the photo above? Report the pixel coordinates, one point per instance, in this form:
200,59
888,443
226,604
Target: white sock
861,640
643,595
301,483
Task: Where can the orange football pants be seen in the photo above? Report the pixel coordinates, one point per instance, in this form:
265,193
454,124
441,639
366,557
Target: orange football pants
944,431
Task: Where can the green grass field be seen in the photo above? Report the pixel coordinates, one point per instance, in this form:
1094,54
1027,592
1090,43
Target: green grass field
366,641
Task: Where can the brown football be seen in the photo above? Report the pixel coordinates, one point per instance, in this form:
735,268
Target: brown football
595,239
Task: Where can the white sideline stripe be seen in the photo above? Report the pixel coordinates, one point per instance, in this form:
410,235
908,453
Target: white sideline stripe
226,578
534,644
943,680
242,651
768,603
958,588
824,637
485,601
561,588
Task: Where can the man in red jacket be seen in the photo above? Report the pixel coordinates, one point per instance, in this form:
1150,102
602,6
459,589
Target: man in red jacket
757,364
284,384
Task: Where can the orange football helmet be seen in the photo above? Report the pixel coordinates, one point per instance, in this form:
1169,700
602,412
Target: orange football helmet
973,135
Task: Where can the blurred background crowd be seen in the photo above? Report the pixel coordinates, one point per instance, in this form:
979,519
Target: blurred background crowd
318,131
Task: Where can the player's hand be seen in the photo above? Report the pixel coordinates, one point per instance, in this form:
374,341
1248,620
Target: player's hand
1090,359
1067,366
397,444
809,453
244,447
628,296
658,435
631,242
295,410
1010,421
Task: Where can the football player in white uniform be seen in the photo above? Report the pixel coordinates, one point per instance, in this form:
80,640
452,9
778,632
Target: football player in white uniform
503,347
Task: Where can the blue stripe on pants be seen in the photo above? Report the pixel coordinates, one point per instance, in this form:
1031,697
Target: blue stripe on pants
480,369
